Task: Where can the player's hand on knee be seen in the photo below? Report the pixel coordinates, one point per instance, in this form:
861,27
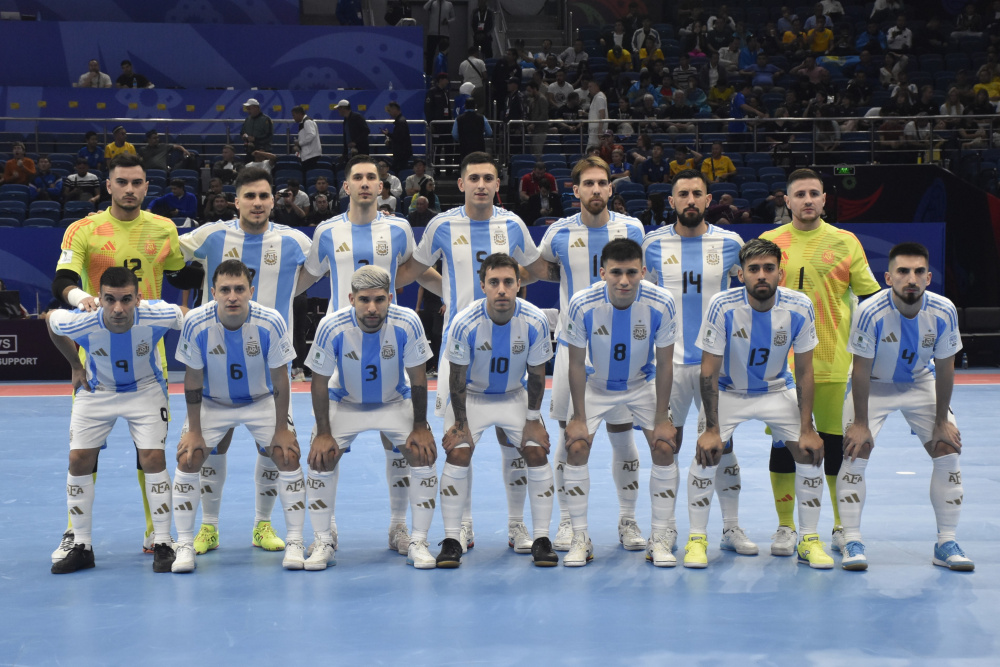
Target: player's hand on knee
811,445
534,432
323,453
948,435
422,450
666,432
708,451
285,448
858,441
456,436
577,431
188,447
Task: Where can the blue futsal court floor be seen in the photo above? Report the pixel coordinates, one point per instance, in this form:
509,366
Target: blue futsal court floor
240,607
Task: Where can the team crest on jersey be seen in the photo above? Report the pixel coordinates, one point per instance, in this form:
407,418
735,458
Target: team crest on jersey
500,237
253,348
713,258
142,349
780,338
829,257
271,257
150,248
518,347
388,352
382,247
639,332
928,340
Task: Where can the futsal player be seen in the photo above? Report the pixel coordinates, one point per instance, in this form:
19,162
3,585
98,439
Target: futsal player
618,328
904,341
123,378
746,337
122,235
274,255
693,260
236,352
573,245
462,238
829,266
492,344
361,358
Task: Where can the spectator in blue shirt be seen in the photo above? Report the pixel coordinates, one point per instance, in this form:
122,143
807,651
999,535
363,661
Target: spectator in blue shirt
178,203
763,73
92,152
46,186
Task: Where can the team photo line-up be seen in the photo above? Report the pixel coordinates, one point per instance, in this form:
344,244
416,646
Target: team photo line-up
647,327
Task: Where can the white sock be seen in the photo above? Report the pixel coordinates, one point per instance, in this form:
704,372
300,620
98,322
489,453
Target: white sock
851,491
558,462
515,482
808,492
265,475
397,474
321,494
542,492
187,497
160,501
663,481
727,488
577,479
946,495
423,489
80,502
467,507
701,484
625,471
292,493
213,478
454,490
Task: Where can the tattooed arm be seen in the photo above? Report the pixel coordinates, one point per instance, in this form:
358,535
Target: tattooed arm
710,445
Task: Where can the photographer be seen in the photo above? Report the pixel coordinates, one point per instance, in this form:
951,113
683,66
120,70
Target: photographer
291,205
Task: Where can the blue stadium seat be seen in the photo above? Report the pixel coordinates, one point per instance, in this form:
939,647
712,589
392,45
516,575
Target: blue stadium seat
39,222
45,209
659,187
719,189
14,209
15,195
635,207
9,222
78,208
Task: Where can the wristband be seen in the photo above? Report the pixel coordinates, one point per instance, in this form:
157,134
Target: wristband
533,415
75,296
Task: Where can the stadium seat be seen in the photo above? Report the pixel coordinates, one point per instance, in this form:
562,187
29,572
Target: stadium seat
78,208
39,222
14,209
15,195
719,189
9,222
45,209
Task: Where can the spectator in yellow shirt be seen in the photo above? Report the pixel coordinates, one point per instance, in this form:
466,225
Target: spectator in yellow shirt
684,158
620,58
718,168
819,38
119,145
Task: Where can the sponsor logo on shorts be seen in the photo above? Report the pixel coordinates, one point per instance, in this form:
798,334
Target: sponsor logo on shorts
388,352
142,349
253,348
639,332
780,338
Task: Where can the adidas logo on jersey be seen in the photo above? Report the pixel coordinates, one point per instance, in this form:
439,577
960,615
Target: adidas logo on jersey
461,240
579,243
100,352
109,246
671,260
343,247
233,254
741,334
602,331
891,338
352,355
218,349
485,347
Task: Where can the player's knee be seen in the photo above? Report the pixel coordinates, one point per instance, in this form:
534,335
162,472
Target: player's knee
939,449
152,460
460,456
661,453
578,450
534,455
82,461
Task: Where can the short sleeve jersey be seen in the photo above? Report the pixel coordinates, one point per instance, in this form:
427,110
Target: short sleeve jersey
274,258
714,168
369,367
693,269
498,355
113,151
904,349
755,345
236,363
621,344
120,362
577,249
147,245
462,244
826,264
341,248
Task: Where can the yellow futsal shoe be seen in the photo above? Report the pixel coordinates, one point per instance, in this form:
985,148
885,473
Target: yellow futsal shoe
265,537
206,539
696,552
811,553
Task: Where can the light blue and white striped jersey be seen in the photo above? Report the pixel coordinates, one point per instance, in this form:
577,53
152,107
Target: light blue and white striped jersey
463,244
342,248
621,344
755,345
498,355
577,249
274,259
369,367
694,270
237,364
904,349
124,362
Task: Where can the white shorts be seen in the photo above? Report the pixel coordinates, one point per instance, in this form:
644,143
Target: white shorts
778,409
349,420
559,405
685,391
95,414
260,447
917,402
508,411
638,403
443,398
218,418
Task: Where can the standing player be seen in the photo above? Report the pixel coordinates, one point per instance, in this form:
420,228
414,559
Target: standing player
123,235
123,378
746,336
904,342
462,238
236,352
491,345
618,328
343,244
274,255
358,359
693,260
574,245
829,266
